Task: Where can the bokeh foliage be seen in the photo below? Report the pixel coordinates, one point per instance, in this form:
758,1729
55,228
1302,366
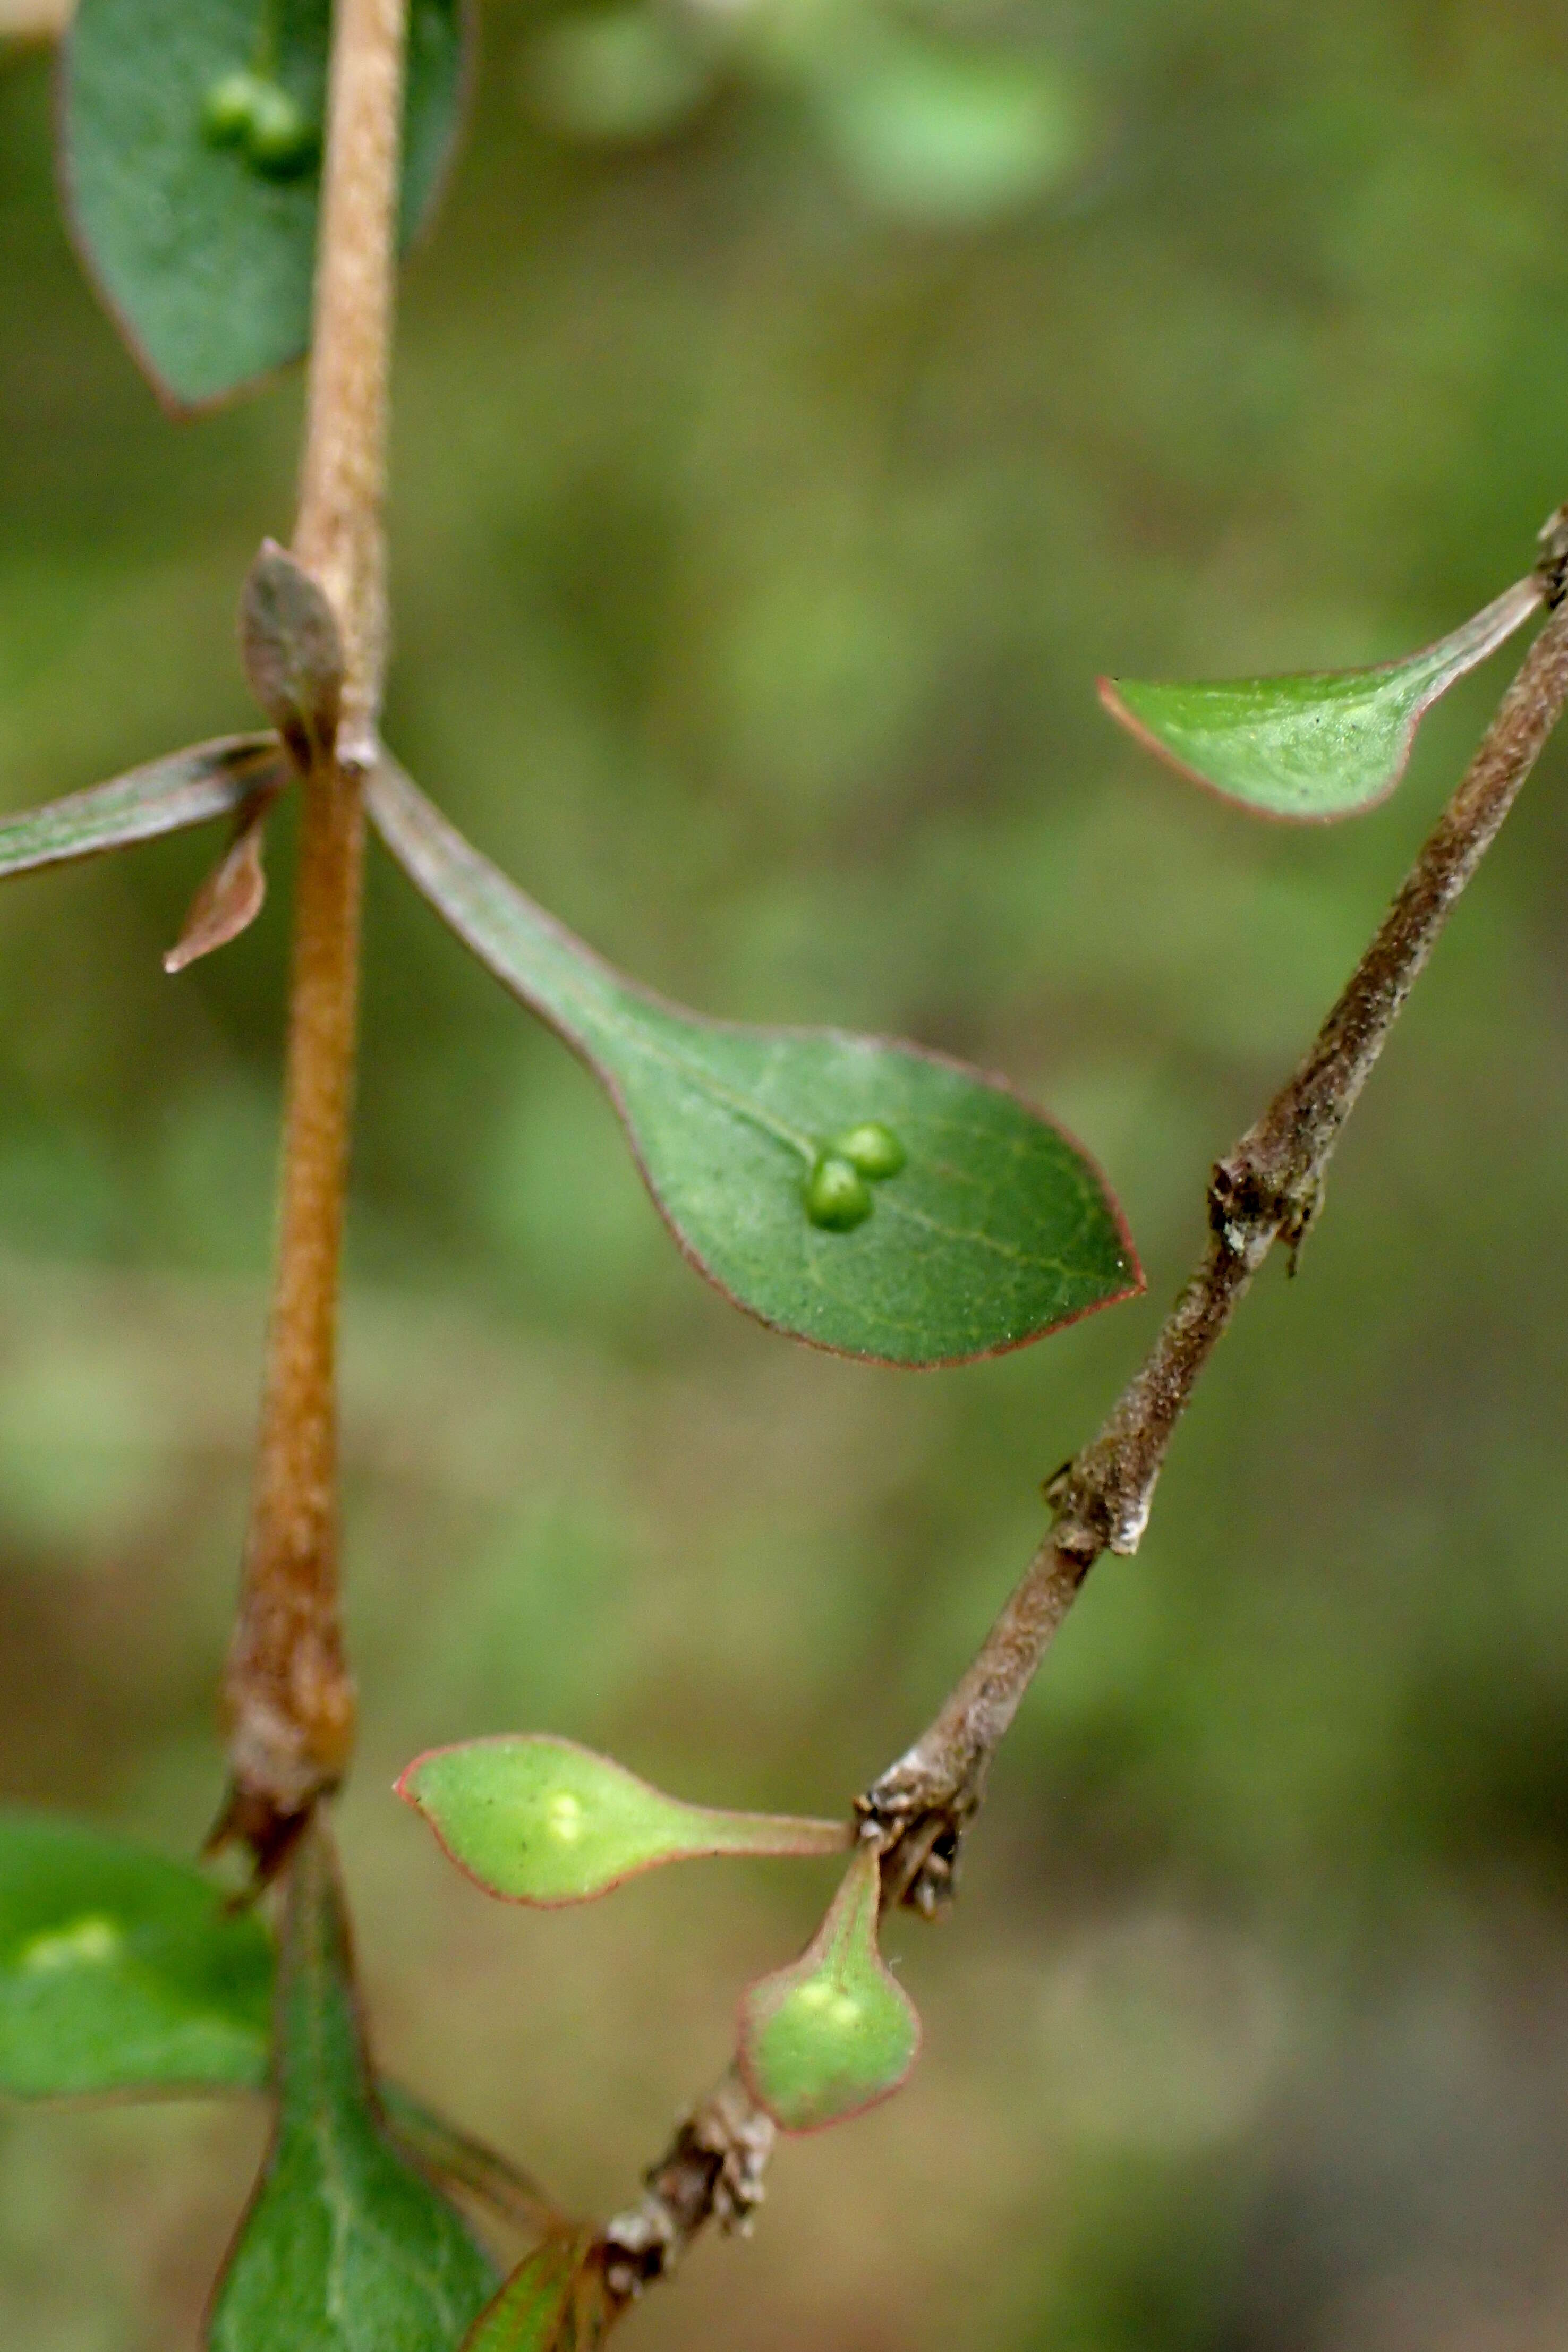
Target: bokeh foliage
758,536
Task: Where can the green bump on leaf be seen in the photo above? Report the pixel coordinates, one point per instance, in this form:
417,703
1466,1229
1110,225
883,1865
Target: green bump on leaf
997,1230
193,198
837,1196
345,2248
280,139
228,108
192,787
871,1147
548,2305
1321,745
540,1819
121,1971
837,2032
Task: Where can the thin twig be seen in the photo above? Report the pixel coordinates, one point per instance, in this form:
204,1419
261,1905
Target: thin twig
1266,1189
288,1693
712,2170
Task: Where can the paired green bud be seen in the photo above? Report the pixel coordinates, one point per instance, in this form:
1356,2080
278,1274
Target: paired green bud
838,1189
245,111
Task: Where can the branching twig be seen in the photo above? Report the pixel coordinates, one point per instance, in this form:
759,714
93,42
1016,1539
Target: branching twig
288,1693
1267,1190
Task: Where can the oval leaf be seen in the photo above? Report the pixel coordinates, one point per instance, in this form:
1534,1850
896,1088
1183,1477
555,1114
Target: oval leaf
992,1228
1321,745
539,1820
837,2032
191,787
121,1971
204,249
344,2246
551,2303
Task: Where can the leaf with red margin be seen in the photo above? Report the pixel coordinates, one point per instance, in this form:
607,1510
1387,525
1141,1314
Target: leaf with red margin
994,1230
539,1820
1325,744
835,2032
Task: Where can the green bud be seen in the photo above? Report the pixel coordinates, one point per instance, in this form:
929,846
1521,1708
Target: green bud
835,1194
282,141
228,108
871,1147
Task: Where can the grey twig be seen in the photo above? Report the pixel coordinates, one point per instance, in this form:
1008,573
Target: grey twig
1267,1189
712,2170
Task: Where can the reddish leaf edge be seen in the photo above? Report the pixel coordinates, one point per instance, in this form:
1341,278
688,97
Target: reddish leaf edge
743,2039
1525,597
1134,1287
818,1837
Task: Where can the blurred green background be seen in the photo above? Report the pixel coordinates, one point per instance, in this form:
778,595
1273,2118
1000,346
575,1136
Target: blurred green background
796,407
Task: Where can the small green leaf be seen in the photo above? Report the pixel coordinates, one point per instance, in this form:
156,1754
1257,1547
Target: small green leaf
994,1231
548,2305
540,1819
837,2032
1328,743
344,2248
121,1971
210,780
190,130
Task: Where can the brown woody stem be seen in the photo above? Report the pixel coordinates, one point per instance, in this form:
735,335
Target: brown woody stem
1266,1189
288,1693
712,2170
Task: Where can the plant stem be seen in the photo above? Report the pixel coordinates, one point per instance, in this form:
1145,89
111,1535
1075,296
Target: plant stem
339,535
712,2170
288,1693
1266,1189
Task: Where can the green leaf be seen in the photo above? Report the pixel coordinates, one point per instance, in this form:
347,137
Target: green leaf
837,2032
200,233
539,1820
121,1971
992,1230
548,2305
345,2248
210,780
1328,743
